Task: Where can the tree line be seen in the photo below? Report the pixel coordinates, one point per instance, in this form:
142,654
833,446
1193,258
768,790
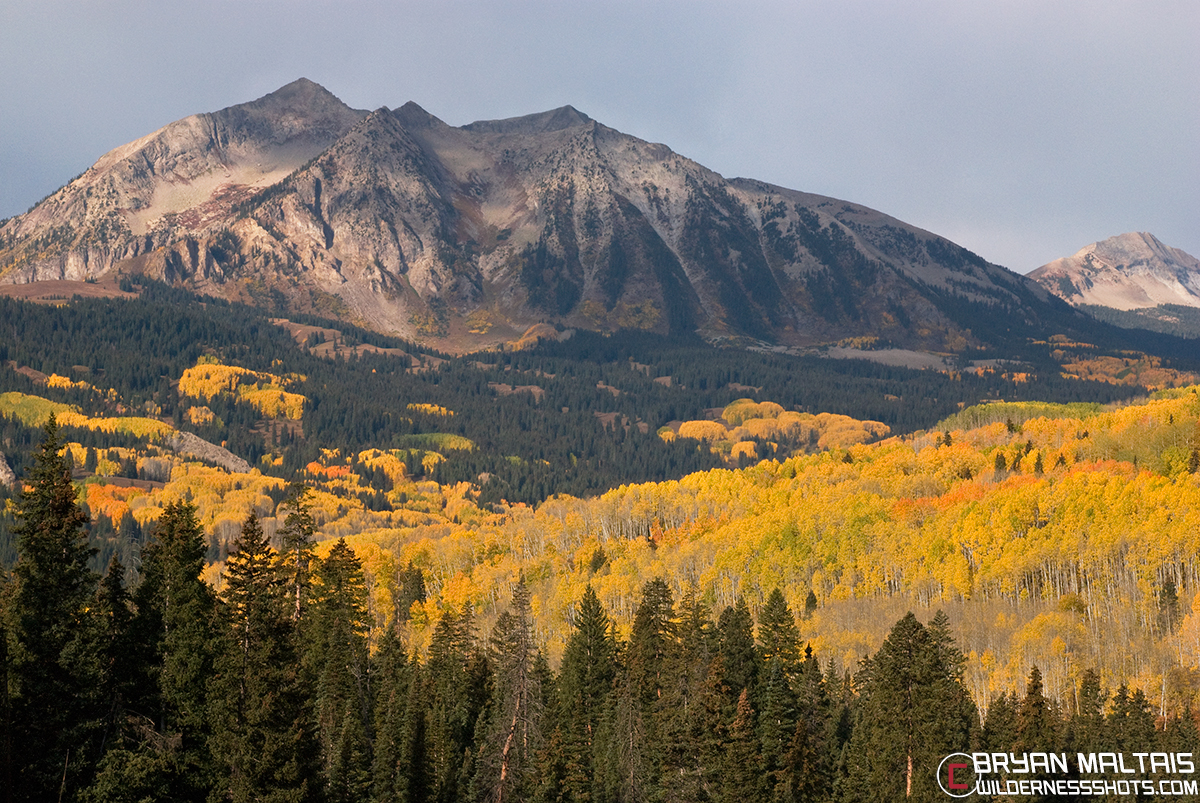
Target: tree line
154,685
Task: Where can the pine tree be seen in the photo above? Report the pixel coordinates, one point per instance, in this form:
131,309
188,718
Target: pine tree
296,548
583,693
264,738
55,665
336,656
913,711
512,734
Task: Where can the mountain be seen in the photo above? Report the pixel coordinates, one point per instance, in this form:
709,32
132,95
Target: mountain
399,222
1129,271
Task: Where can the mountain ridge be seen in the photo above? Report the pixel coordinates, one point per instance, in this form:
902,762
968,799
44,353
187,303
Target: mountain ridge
1129,271
469,235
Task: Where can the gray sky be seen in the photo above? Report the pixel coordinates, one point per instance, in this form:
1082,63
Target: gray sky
1021,130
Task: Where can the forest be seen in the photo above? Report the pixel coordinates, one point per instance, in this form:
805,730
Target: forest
278,687
317,563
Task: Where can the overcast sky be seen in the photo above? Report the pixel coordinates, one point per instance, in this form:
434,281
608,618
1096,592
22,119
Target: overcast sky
1021,130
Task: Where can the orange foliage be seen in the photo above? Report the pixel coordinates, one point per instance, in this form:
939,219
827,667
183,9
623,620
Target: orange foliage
111,500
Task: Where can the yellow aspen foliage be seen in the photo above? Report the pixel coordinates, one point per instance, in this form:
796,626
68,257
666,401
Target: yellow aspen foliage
430,461
430,409
264,391
702,430
32,411
390,463
743,449
56,381
742,409
199,416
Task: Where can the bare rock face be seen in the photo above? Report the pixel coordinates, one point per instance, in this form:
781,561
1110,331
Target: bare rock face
186,443
398,221
174,183
7,478
1129,271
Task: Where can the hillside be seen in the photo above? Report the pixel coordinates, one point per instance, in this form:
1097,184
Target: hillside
536,461
1126,272
1043,511
374,559
464,237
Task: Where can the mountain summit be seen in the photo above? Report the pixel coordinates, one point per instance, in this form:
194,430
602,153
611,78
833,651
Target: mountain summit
400,222
1129,271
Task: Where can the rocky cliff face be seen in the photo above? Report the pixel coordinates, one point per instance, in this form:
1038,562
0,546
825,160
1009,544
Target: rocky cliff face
1129,271
402,222
178,182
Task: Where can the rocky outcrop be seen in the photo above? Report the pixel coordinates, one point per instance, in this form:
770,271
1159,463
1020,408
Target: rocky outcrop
7,478
1129,271
411,226
179,181
185,443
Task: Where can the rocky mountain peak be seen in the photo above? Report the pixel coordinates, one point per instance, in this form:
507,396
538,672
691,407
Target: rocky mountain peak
469,235
558,119
414,117
1130,271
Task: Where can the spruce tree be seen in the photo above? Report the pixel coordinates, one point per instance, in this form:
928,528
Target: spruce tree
778,637
118,672
1088,721
55,664
455,688
173,640
690,712
913,710
740,773
1000,730
807,772
264,739
1037,721
393,761
512,732
336,656
583,693
296,549
632,747
739,658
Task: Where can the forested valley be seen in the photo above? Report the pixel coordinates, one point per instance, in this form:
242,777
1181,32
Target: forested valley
277,688
257,560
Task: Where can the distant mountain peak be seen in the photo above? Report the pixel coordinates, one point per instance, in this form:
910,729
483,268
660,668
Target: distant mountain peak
412,115
1129,271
